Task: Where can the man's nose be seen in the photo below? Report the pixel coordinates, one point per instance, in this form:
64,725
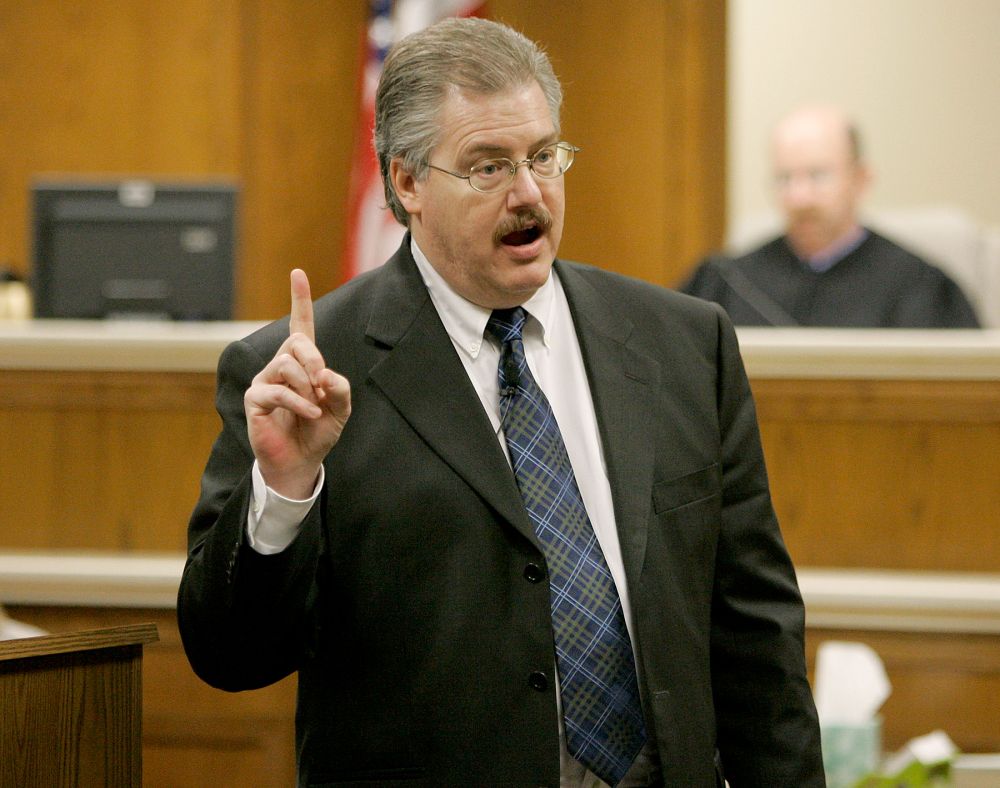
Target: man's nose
799,191
524,189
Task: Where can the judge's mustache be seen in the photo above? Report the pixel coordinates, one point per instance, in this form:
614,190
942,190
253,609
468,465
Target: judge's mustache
805,214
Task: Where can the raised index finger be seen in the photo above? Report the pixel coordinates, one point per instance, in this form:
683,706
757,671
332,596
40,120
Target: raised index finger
301,321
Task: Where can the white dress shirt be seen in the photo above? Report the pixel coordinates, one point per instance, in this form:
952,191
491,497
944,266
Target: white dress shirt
553,355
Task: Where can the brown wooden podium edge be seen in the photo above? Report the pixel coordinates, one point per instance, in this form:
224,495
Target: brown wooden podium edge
87,640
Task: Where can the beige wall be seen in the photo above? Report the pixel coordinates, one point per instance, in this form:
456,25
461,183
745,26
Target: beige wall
922,77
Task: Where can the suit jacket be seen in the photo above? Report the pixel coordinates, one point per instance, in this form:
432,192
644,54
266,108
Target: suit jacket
413,603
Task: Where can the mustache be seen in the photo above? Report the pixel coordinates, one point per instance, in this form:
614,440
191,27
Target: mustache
805,213
522,220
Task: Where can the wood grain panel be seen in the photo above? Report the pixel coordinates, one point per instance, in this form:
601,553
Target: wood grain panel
71,718
890,474
939,681
885,474
79,641
887,401
644,98
194,735
300,69
696,136
98,89
103,460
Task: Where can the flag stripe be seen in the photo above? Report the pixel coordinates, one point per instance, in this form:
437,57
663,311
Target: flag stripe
373,234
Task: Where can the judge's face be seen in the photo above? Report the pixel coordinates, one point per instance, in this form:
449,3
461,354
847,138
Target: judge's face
818,180
494,249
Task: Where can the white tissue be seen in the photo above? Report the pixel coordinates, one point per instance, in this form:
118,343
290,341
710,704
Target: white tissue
851,683
934,747
930,749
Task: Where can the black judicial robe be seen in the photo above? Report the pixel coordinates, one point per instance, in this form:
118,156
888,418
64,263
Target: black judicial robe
878,285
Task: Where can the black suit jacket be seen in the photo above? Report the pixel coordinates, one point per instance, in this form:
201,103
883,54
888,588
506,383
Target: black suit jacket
408,604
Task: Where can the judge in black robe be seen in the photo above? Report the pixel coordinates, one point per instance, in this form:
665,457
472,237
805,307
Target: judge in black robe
827,269
876,285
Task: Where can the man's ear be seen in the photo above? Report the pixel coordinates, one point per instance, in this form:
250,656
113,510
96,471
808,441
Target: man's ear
405,186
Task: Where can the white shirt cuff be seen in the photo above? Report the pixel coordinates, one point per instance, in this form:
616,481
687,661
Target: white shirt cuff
273,520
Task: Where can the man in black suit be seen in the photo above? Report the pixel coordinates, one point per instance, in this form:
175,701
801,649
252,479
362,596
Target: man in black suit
360,522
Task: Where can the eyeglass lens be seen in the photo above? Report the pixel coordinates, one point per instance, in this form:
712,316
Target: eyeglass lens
493,174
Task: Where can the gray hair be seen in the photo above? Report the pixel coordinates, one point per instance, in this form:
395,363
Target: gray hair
471,54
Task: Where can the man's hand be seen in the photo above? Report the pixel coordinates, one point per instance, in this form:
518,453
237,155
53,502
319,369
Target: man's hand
296,408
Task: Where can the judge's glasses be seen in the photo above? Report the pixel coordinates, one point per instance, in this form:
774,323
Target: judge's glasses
492,175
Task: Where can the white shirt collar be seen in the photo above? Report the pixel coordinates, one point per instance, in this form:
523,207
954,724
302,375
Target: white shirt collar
465,321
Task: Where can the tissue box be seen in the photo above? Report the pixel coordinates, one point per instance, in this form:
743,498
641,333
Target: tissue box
850,751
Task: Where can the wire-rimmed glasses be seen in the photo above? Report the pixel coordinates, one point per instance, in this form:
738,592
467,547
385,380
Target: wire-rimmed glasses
492,175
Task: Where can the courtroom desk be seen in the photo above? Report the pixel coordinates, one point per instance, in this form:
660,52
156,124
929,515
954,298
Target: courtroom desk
192,735
883,447
105,427
883,450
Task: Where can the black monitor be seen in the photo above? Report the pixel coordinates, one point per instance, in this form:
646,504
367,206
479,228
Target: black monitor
133,249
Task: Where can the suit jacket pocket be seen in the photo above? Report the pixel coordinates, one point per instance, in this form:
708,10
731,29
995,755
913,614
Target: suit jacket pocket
687,489
688,513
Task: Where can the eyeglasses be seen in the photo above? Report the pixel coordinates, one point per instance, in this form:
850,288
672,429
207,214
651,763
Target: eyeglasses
492,175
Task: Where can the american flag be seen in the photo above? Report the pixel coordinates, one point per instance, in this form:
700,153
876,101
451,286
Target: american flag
373,234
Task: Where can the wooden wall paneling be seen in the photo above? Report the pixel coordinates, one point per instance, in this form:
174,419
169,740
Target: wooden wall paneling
885,474
194,735
644,99
102,461
894,474
946,681
300,69
225,739
696,119
610,60
141,87
188,115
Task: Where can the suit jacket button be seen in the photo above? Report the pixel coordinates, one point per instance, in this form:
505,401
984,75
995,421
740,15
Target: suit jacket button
538,681
534,573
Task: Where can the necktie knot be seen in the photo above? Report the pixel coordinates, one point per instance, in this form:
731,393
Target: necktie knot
506,325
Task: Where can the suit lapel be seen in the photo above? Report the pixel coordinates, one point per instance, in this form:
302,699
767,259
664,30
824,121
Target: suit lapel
425,380
622,384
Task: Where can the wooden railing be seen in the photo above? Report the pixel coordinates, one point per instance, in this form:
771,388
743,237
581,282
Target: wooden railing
883,451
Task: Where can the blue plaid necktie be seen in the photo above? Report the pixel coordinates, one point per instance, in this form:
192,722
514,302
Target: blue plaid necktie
597,680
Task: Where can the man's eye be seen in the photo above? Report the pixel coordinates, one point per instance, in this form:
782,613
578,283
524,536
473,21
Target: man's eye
489,169
544,156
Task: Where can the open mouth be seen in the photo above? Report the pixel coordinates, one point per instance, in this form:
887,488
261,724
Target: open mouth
522,237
